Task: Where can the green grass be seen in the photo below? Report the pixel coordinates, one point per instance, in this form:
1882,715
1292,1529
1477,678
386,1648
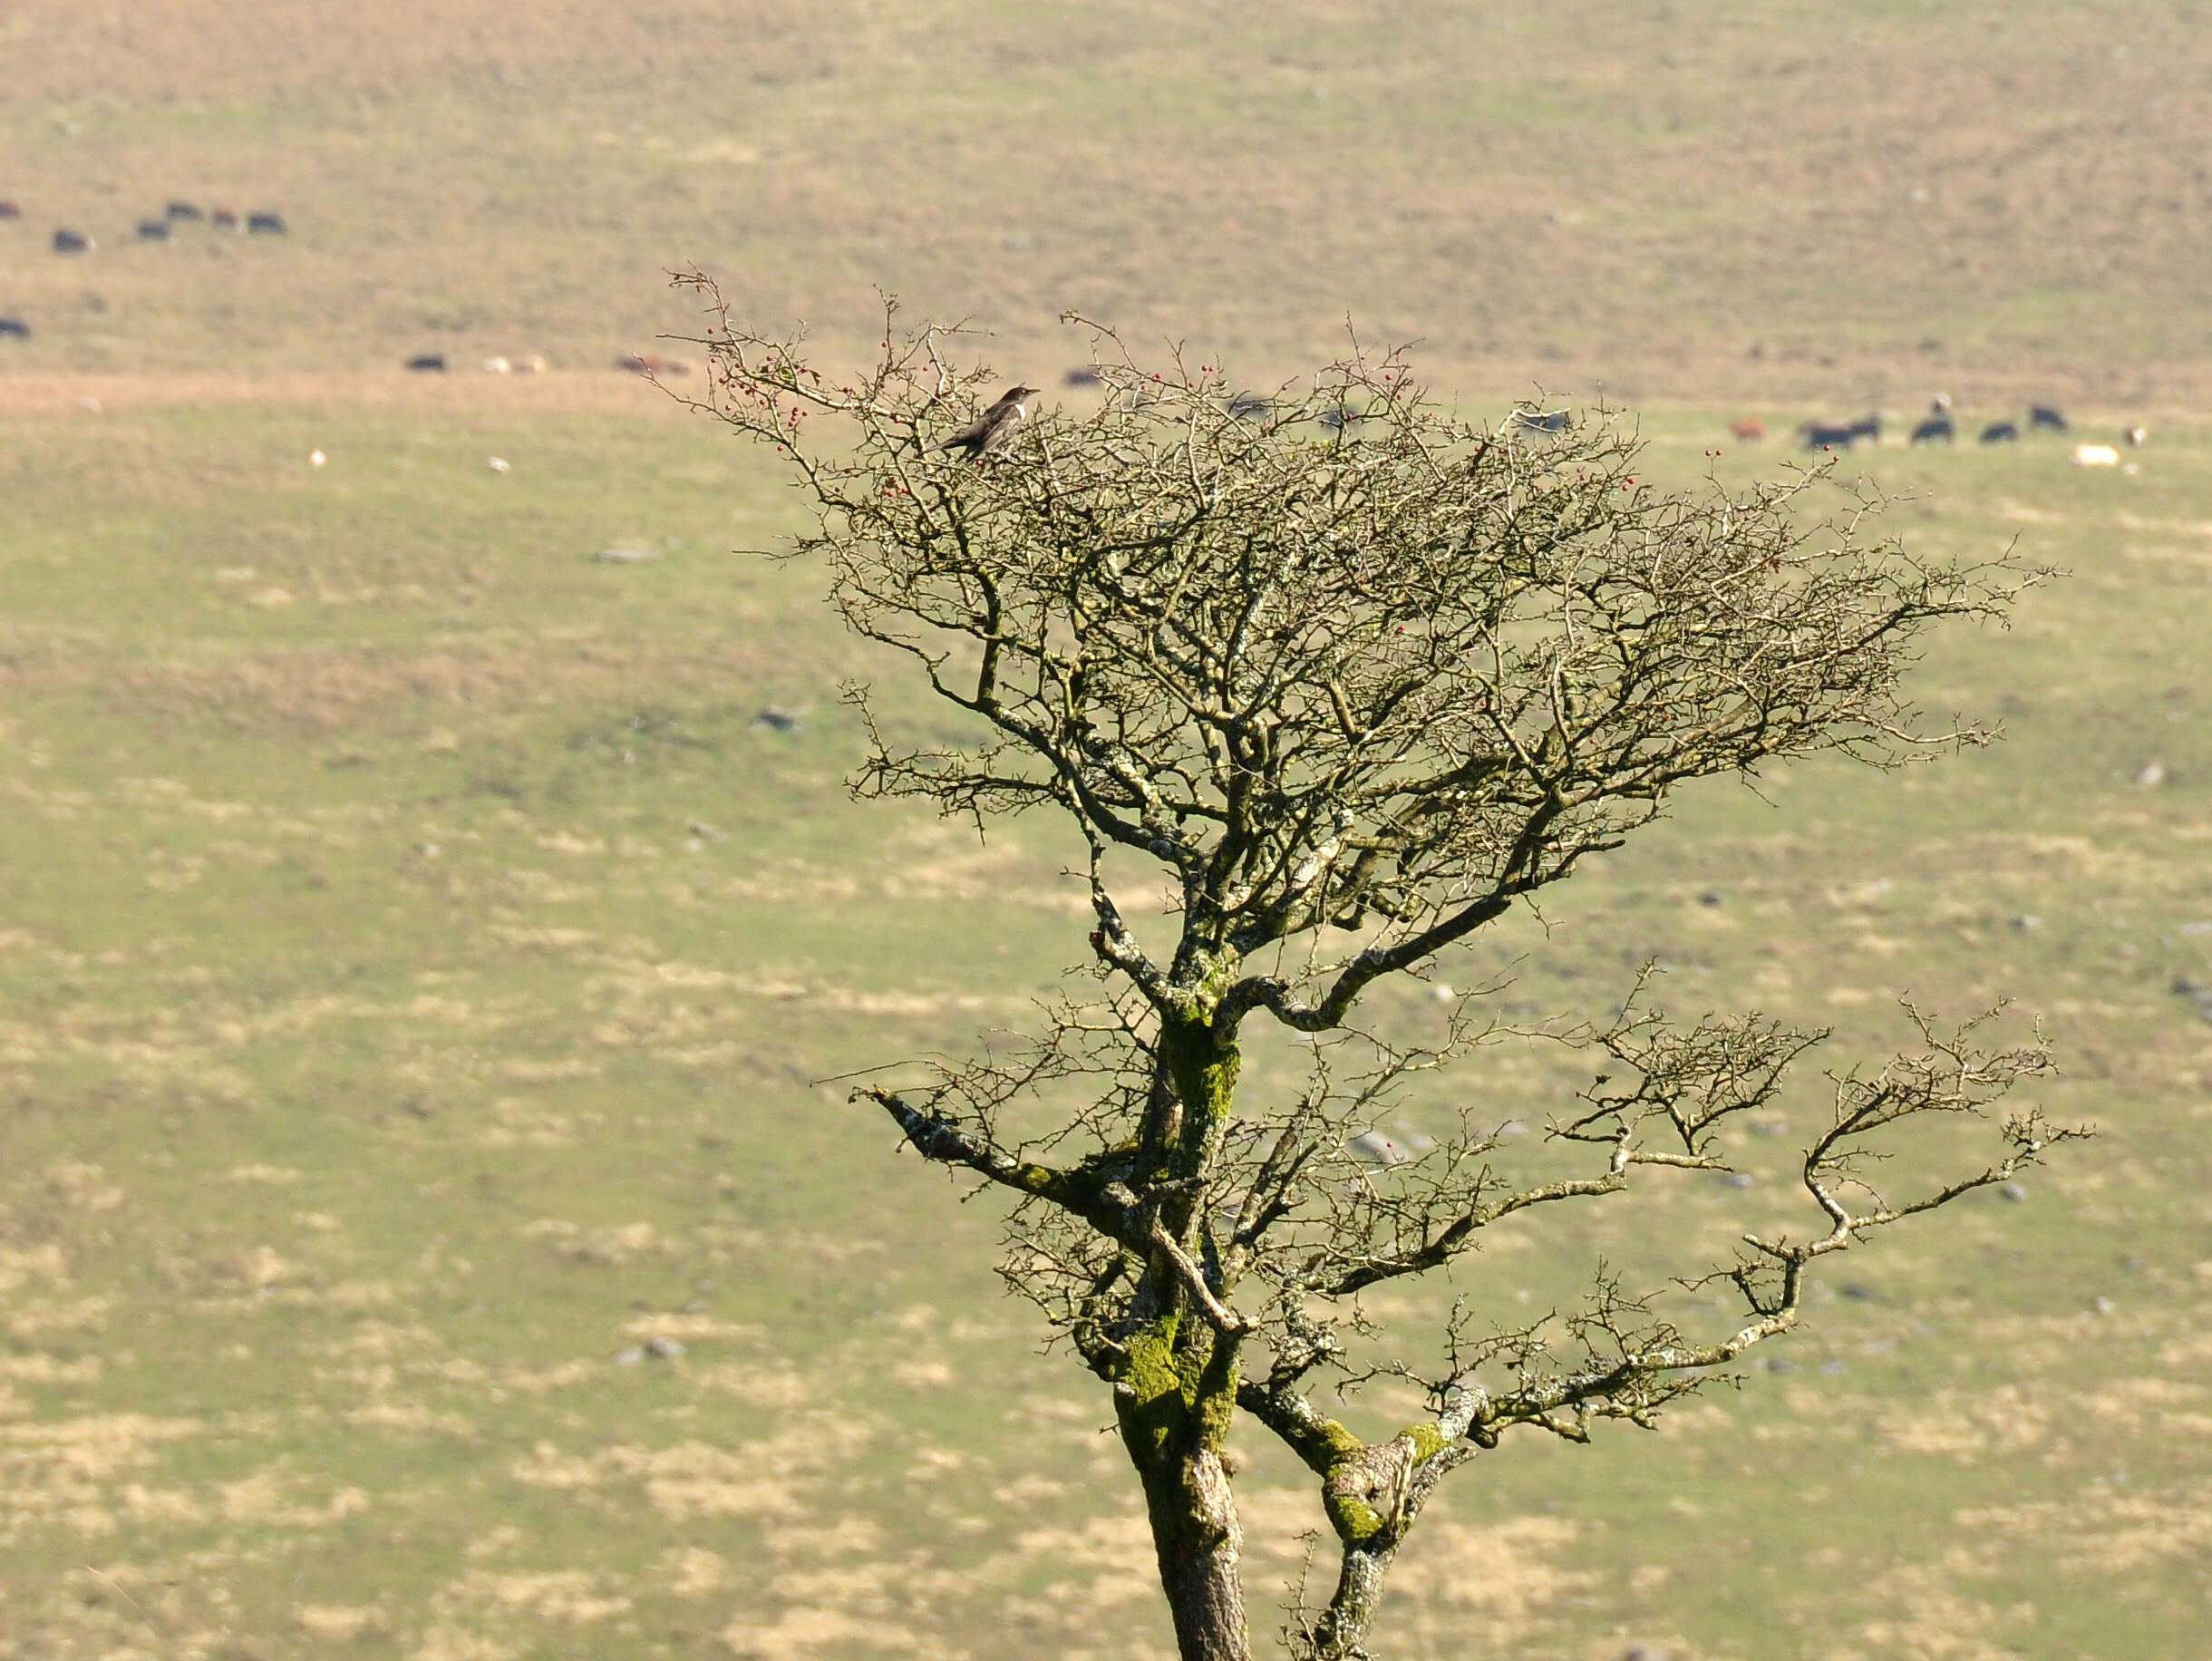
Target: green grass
416,962
380,1058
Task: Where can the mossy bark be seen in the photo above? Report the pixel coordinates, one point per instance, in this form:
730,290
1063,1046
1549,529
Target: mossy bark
1174,1408
1178,1396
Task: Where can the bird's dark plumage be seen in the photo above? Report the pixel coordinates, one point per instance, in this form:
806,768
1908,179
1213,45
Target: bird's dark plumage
995,426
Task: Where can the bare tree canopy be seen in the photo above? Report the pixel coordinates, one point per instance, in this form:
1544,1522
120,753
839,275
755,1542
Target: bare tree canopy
1355,678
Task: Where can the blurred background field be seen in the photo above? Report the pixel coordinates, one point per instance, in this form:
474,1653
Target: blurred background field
428,895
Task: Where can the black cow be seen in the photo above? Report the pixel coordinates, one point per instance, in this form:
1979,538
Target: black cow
13,328
71,242
428,362
1540,420
2043,418
1829,435
1083,374
9,210
1935,430
2000,432
153,230
1868,426
184,211
1251,406
266,225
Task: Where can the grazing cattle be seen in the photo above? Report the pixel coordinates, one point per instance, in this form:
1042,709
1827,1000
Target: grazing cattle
1251,406
153,230
266,225
2137,437
1829,435
71,242
2095,456
497,365
652,364
223,218
2043,418
1083,374
427,363
13,328
9,210
1531,421
184,211
535,363
1935,430
1747,432
2000,432
1868,426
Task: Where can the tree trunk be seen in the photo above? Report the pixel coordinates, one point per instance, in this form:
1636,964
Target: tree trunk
1200,1545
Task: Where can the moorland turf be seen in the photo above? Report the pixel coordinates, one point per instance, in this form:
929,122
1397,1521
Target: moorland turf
417,958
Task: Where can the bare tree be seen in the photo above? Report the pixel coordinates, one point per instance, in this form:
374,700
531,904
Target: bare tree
1356,678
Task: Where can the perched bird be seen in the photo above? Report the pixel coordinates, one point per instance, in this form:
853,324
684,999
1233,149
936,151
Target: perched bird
995,427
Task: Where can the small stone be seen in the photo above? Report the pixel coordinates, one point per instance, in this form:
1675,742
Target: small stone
1443,994
2014,1192
662,1349
1512,1131
2101,1305
1708,897
1377,1149
2027,920
625,556
2149,776
1832,1366
1862,1294
1736,1179
1644,1652
629,1357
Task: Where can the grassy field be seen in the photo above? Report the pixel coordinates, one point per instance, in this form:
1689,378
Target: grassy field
417,955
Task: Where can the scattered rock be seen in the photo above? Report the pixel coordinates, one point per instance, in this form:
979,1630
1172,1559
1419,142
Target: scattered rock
2027,920
662,1349
1769,1127
705,832
1832,1366
2014,1192
1377,1149
625,556
2149,776
2101,1305
1644,1652
629,1357
1736,1179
